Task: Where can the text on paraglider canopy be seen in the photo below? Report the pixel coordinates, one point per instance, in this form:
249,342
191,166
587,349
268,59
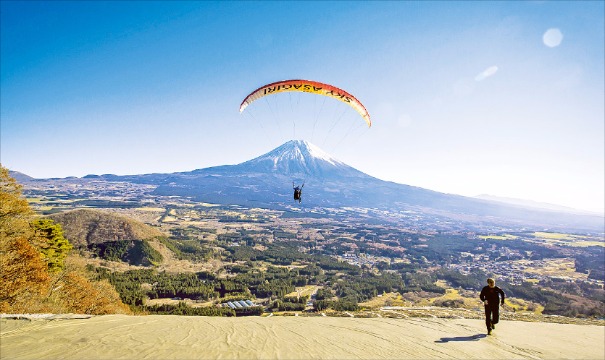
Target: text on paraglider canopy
306,88
335,94
291,87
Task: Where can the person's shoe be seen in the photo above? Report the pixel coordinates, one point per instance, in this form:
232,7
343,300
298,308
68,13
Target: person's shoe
489,331
493,326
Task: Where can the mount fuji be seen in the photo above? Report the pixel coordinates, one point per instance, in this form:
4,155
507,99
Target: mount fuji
302,159
266,181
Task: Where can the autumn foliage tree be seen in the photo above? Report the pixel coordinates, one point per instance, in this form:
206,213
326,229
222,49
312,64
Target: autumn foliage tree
36,274
15,212
23,273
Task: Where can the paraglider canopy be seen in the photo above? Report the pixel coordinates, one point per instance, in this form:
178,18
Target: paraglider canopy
307,86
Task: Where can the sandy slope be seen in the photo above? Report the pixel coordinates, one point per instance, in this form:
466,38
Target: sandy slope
180,337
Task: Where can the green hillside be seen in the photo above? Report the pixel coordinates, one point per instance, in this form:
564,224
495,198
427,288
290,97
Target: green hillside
84,227
110,236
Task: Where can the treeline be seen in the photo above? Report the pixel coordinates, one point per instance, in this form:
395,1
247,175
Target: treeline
472,281
186,249
338,305
554,303
136,286
287,253
275,282
278,254
183,309
290,303
592,262
134,252
106,204
367,286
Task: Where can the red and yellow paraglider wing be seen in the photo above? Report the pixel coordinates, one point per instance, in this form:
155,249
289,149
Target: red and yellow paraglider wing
309,87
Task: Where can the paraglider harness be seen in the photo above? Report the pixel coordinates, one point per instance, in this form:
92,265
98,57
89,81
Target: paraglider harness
298,192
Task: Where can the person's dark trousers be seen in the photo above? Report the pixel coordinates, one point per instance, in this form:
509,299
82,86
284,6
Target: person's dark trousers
492,315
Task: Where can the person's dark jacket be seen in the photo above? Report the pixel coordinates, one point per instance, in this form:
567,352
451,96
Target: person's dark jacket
491,295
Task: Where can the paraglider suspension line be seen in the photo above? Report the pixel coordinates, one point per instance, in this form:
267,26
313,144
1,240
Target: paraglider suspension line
317,116
275,117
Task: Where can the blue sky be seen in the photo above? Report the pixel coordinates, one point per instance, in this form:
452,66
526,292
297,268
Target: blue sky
501,98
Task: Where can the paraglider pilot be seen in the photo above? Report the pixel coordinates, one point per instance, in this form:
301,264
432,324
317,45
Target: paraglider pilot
297,192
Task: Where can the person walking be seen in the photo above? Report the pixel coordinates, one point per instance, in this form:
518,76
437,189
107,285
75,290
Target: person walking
490,295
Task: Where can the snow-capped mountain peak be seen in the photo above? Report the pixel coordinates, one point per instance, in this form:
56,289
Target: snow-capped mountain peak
318,153
299,157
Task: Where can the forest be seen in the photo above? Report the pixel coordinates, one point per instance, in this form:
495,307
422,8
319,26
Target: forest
41,271
343,286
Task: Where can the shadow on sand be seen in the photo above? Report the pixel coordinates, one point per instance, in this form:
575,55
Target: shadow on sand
461,338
